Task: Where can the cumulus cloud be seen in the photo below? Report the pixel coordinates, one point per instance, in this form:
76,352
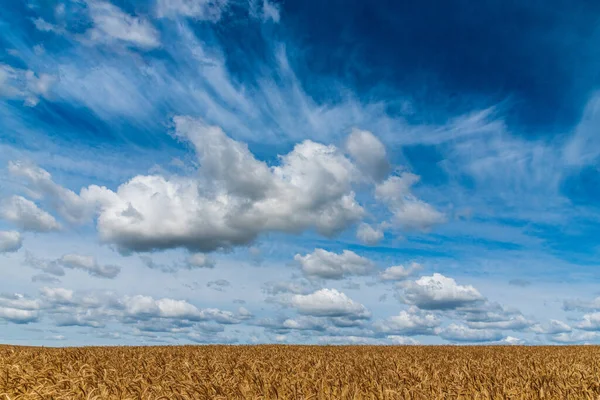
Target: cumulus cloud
207,10
329,303
400,272
18,316
328,265
369,235
408,212
369,153
89,265
111,24
26,215
461,333
408,323
57,295
438,292
10,241
236,198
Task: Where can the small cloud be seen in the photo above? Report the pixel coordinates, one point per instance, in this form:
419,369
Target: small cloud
369,235
10,241
400,272
438,292
328,265
199,260
329,303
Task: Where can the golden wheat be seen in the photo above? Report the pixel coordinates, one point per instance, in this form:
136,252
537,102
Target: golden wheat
300,372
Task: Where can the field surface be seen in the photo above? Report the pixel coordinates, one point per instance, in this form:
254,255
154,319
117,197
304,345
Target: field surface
300,372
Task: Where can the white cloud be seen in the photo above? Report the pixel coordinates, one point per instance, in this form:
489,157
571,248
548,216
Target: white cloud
112,24
329,303
461,333
328,265
517,323
438,292
574,337
89,265
199,260
350,340
270,11
552,327
57,295
163,308
403,340
591,322
10,241
369,235
18,316
236,198
400,272
146,307
305,323
18,301
26,215
369,153
409,212
208,10
24,84
408,323
512,340
74,208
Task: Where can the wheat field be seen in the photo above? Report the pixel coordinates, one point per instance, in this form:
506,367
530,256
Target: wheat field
300,372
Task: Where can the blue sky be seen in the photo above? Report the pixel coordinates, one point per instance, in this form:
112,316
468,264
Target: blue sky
252,171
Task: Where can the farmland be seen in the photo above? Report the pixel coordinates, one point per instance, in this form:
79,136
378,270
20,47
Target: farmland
300,372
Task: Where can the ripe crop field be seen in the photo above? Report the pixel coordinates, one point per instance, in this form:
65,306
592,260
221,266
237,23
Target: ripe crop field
300,372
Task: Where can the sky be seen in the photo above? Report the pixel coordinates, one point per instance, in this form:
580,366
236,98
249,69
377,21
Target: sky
261,171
